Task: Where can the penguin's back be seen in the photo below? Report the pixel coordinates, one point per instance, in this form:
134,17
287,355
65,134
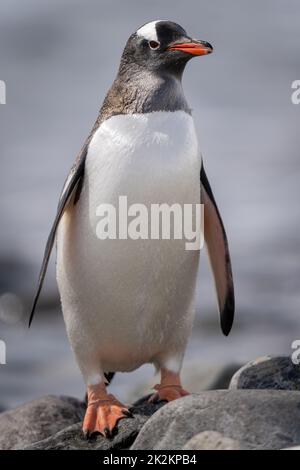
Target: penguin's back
128,300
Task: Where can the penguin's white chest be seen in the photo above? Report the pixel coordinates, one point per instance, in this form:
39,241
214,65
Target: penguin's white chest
129,301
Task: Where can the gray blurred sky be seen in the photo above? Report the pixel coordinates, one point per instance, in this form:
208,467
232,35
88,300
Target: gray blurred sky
58,59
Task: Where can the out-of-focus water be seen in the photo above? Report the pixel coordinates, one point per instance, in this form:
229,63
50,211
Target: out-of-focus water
58,59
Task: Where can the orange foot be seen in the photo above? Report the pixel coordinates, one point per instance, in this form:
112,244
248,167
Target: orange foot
103,413
169,389
167,393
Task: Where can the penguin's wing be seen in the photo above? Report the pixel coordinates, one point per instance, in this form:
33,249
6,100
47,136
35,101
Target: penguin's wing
71,188
217,245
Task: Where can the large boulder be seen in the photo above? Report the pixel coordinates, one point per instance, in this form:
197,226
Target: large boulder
277,373
263,419
38,420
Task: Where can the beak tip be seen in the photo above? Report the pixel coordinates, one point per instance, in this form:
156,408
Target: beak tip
208,47
193,47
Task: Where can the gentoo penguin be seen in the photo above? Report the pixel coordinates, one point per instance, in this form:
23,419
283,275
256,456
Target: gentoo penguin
128,302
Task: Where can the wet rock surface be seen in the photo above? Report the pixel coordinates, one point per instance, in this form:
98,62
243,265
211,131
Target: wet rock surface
277,373
38,420
263,419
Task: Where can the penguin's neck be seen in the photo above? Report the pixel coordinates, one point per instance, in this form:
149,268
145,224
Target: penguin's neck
137,90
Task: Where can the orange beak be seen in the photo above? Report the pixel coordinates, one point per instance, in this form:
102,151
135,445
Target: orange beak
194,47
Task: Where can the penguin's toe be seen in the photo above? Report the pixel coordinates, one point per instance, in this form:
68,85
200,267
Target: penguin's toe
103,416
167,393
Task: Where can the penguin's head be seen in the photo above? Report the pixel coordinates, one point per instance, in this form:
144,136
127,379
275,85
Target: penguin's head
163,46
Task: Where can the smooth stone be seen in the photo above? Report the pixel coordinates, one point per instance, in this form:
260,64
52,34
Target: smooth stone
278,373
264,419
38,420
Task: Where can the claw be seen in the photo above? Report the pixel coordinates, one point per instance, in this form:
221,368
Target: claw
127,413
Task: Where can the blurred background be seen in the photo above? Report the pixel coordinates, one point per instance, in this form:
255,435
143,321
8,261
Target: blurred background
58,59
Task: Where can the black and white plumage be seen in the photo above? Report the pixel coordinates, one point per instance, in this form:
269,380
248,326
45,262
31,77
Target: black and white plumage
129,302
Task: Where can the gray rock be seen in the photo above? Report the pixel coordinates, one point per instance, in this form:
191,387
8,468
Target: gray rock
38,420
263,419
71,438
277,373
212,440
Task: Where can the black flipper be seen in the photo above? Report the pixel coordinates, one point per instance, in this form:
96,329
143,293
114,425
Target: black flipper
73,186
217,245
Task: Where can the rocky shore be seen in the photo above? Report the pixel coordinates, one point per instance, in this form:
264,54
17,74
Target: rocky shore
259,408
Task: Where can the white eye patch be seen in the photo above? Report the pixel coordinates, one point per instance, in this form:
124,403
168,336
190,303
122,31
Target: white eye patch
148,31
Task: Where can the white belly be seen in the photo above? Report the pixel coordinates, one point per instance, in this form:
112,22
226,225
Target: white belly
127,302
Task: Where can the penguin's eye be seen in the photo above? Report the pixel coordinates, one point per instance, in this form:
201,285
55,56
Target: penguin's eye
154,45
